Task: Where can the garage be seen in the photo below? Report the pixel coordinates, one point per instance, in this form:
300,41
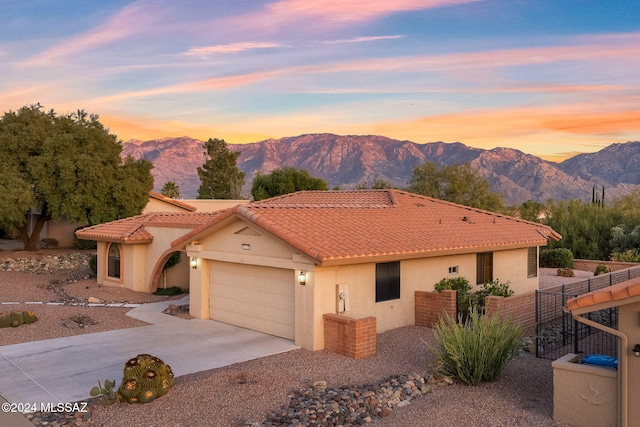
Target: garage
254,297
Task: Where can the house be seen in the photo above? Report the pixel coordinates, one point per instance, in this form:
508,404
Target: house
131,251
279,265
600,396
62,230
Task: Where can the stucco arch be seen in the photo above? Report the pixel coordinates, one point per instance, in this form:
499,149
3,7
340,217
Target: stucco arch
156,273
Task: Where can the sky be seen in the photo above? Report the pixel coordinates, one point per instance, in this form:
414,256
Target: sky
552,78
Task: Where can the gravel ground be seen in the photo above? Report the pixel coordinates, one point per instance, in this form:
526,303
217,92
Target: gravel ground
25,288
246,392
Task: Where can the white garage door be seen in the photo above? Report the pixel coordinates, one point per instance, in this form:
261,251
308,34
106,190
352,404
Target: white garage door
258,298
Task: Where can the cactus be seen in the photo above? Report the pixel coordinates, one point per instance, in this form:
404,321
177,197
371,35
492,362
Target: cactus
5,320
145,378
29,317
107,392
17,318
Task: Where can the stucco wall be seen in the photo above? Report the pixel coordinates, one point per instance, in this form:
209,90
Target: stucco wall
629,324
511,266
156,205
213,205
584,395
415,275
62,231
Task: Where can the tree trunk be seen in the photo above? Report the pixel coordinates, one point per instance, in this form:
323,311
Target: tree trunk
31,241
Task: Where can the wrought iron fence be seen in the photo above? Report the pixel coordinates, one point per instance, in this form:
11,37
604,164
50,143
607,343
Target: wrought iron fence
558,334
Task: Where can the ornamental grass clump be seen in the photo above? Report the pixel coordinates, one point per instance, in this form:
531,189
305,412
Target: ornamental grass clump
478,349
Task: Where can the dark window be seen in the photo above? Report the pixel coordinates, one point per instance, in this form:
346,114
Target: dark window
532,262
484,268
113,261
387,281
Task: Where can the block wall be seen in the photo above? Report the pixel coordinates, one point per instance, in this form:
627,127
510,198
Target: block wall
430,306
355,338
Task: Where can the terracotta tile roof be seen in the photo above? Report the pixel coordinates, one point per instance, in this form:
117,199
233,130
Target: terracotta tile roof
171,201
132,229
614,295
336,226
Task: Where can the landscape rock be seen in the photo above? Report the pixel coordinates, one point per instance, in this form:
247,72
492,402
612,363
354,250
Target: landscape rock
351,405
77,263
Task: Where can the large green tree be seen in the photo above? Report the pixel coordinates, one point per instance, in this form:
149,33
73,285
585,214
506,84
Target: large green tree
65,166
455,183
220,177
585,228
284,181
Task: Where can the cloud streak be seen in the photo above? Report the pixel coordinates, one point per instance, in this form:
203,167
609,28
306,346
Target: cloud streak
132,19
230,48
364,39
344,12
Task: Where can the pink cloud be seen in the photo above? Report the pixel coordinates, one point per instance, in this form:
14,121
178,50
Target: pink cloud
340,11
364,39
229,48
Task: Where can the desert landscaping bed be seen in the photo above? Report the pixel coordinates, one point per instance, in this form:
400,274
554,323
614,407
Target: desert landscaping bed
245,394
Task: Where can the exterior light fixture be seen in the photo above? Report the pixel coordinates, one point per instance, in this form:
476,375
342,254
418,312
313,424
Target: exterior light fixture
302,278
636,350
194,262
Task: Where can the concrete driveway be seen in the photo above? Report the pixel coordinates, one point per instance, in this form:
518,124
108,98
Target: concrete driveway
63,370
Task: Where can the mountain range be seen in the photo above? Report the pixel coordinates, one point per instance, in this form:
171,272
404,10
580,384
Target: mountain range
348,161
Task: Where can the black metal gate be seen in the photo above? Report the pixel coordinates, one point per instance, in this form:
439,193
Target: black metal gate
558,334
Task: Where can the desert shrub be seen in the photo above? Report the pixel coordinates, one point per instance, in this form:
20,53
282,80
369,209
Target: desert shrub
477,350
93,264
556,258
630,255
565,272
82,244
49,243
171,291
493,288
601,269
462,288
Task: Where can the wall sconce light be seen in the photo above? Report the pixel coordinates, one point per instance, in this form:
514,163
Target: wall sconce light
194,262
636,350
302,278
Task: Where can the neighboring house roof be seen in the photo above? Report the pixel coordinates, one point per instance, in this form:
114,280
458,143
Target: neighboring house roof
335,227
171,201
132,229
611,296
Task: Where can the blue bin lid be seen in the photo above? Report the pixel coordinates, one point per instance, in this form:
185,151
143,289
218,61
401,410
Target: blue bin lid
600,360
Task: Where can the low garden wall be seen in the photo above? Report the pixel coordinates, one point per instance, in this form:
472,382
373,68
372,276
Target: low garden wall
521,308
590,265
355,338
430,306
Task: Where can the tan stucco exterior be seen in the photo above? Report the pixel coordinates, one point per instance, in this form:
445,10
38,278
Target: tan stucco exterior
587,383
242,242
629,325
213,205
140,261
584,395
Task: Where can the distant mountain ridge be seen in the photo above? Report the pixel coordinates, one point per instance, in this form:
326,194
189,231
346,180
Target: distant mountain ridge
346,161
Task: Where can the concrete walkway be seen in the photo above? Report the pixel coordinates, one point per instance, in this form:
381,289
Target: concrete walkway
63,370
